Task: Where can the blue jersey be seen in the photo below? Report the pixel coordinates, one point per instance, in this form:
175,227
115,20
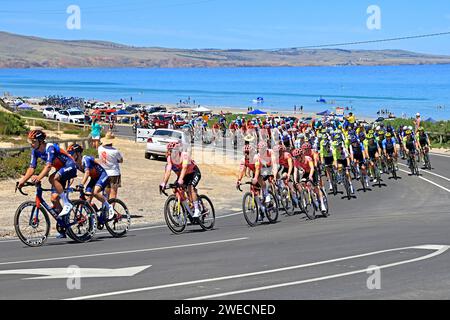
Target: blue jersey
95,170
389,143
53,155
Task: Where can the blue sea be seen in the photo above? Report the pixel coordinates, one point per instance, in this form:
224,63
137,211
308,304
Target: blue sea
403,90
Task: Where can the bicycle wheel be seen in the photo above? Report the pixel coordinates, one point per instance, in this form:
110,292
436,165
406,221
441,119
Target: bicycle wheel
334,183
81,223
32,225
208,217
118,226
272,209
250,209
347,187
325,214
288,201
175,215
310,211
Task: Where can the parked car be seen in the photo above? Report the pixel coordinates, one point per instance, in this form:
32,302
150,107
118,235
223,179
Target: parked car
157,142
161,121
70,116
51,112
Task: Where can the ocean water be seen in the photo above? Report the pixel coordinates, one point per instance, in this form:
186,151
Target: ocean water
400,89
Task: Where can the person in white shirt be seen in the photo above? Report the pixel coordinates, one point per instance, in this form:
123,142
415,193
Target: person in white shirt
110,158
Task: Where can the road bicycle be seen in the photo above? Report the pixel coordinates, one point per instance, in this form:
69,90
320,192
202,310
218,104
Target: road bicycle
253,208
391,167
178,209
412,164
425,151
32,223
119,224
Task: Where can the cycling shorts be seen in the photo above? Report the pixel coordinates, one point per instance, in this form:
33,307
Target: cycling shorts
193,178
102,182
328,161
315,179
343,162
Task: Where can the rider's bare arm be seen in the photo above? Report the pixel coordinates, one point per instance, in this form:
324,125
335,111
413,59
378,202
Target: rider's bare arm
43,173
28,174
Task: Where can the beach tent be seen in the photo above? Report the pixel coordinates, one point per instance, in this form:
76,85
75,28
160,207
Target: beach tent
324,113
24,106
201,109
431,120
256,112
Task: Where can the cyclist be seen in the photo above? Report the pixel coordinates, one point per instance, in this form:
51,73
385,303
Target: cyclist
285,165
92,169
188,173
423,141
54,157
341,159
371,153
357,157
305,164
390,148
410,145
326,157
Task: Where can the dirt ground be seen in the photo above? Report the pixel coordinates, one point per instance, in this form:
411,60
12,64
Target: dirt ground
140,183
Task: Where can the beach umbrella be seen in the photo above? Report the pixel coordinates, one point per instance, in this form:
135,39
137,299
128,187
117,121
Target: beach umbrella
256,112
24,106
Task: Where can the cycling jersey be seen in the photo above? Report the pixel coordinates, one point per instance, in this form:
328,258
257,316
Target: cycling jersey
95,170
423,139
389,144
410,144
340,155
325,151
358,150
372,149
283,160
247,163
304,165
265,159
53,155
185,160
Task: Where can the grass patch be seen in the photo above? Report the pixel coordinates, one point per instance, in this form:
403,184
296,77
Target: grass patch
31,114
13,166
11,124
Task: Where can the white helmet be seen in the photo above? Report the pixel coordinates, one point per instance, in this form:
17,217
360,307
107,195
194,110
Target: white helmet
410,127
405,128
378,128
418,115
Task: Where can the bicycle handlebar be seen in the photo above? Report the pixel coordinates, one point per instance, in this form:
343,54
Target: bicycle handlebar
28,184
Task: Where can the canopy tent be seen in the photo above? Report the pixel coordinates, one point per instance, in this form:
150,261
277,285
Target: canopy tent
24,106
324,113
256,112
431,120
123,112
201,109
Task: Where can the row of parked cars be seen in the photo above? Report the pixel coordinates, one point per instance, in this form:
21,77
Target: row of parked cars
69,115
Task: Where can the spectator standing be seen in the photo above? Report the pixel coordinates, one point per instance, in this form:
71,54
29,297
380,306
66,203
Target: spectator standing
110,159
96,130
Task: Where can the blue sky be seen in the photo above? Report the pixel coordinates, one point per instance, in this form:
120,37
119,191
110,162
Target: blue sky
246,24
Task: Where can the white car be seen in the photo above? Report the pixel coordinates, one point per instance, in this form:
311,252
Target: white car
70,116
51,112
157,142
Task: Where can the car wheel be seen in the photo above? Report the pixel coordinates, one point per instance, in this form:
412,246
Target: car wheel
148,155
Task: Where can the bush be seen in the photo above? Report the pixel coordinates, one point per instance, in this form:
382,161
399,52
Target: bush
31,113
15,166
11,124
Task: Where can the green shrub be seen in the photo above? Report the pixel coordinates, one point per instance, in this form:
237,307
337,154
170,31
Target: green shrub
15,166
11,124
31,113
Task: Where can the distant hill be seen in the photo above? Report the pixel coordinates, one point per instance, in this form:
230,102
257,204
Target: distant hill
18,51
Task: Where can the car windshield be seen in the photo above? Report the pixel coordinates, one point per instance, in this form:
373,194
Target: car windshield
75,113
168,133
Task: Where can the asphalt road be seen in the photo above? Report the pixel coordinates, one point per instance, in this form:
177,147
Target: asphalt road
402,228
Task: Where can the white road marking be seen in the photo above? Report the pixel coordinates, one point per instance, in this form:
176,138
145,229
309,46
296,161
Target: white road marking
440,249
124,252
434,183
63,273
429,172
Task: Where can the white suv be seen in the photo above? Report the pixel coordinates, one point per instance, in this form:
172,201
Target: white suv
158,141
51,112
70,116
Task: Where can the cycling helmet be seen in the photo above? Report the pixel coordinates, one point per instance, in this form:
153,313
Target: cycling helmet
280,148
388,135
408,132
362,136
372,132
75,148
410,128
405,128
381,133
297,153
370,137
421,129
173,145
37,135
